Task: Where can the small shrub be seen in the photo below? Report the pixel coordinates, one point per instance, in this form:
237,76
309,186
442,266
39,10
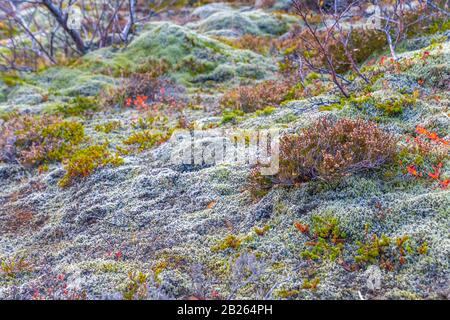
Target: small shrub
392,107
79,106
266,111
252,98
38,140
286,294
144,81
108,127
146,139
85,161
56,287
232,116
424,156
386,252
14,266
259,185
230,241
261,231
258,44
311,284
136,288
373,251
330,149
327,238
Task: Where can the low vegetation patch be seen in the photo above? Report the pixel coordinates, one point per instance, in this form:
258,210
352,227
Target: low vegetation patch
252,98
330,149
85,161
39,140
326,238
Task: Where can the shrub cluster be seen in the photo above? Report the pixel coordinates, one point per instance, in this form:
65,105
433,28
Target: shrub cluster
259,44
84,161
327,150
37,140
330,149
362,44
252,98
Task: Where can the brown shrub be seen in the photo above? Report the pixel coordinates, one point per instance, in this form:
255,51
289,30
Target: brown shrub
327,150
145,80
362,44
330,149
257,44
252,98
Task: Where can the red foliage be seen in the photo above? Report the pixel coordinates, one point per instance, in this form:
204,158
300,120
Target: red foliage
303,228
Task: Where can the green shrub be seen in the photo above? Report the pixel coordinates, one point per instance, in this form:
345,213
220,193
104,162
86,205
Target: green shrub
38,140
327,238
108,127
79,106
85,161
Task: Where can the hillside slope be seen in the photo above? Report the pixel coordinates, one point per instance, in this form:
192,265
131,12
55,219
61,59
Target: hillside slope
196,229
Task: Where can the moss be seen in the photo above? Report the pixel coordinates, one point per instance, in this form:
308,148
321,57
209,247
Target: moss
255,22
195,66
191,57
85,161
287,118
27,94
230,241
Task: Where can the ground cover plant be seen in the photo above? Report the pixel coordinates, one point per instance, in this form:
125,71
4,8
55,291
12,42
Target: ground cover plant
237,150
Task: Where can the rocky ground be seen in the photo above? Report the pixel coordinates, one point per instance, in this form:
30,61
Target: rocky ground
196,231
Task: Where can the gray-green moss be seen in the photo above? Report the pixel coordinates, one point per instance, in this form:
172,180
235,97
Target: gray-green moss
255,22
192,56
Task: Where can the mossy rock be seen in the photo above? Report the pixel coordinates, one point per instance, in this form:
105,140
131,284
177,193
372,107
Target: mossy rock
257,22
72,82
192,56
26,95
207,10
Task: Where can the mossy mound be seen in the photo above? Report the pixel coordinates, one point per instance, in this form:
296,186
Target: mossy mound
26,95
205,11
65,81
189,58
192,57
258,23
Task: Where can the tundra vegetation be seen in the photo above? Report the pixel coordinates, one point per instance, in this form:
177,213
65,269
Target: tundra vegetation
96,97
